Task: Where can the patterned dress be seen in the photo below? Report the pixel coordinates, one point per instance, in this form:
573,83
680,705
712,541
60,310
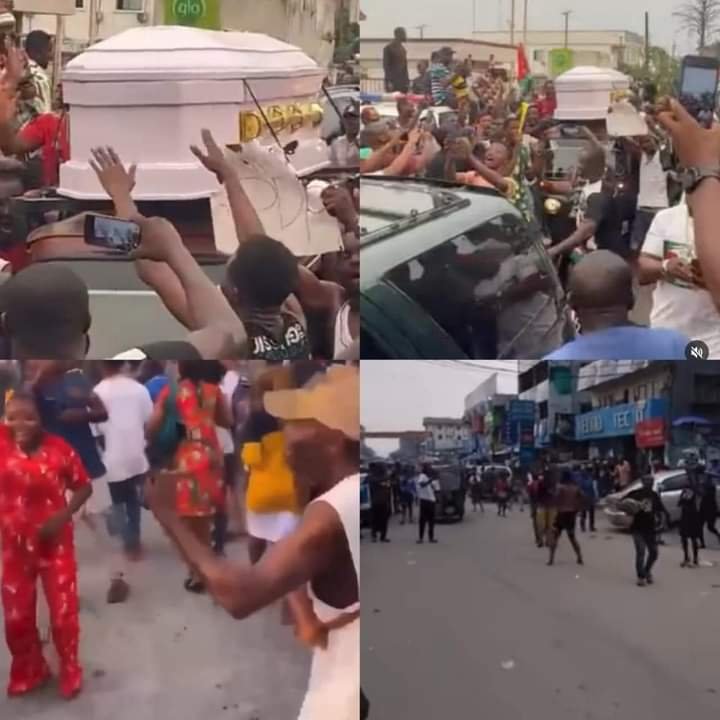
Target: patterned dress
32,489
200,490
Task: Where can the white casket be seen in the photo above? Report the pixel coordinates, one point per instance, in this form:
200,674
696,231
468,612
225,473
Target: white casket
584,93
149,91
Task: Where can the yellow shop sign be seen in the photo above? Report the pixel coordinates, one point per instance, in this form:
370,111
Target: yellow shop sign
281,118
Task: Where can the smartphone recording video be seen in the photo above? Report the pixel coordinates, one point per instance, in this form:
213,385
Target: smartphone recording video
699,86
110,233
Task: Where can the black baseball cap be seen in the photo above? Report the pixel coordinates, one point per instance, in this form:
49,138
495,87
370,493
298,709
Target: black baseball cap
446,50
45,307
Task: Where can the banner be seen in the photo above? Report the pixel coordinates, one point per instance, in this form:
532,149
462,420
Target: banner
193,13
561,60
650,433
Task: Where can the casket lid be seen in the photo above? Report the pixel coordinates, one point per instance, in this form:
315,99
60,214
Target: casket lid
181,53
589,78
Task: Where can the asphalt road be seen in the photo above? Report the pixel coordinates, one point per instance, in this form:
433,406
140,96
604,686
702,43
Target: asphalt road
478,626
166,653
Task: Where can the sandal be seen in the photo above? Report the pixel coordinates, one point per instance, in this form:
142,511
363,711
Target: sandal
194,586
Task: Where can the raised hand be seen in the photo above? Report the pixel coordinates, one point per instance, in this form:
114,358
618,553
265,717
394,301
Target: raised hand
117,182
214,159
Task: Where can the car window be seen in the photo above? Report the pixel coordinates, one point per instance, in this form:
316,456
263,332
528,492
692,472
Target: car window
676,482
499,297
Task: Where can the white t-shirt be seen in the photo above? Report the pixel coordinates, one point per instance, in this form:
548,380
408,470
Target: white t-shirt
689,310
653,183
227,387
129,408
425,492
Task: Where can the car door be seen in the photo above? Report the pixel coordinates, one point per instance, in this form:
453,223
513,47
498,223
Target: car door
500,296
670,489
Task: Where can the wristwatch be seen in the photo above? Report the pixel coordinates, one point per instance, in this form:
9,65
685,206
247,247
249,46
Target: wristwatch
692,177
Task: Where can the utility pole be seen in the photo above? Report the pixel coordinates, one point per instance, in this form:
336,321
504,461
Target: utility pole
474,3
647,43
512,22
421,30
92,19
567,15
525,24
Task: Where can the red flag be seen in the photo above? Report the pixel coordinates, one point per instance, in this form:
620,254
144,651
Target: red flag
523,67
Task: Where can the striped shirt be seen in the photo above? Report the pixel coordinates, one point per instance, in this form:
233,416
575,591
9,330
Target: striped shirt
438,75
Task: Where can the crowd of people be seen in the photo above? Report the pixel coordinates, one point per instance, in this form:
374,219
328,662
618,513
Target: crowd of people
632,216
269,449
274,305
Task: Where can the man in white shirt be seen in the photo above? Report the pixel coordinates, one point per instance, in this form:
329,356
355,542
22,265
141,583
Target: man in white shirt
653,189
680,300
426,495
129,408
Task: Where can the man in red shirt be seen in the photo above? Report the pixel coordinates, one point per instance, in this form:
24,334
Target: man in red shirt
37,470
548,102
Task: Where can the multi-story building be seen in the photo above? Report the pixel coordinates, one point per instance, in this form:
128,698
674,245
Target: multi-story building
446,434
602,48
309,24
631,409
553,387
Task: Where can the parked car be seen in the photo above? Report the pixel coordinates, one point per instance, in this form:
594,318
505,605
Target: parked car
453,272
489,475
667,483
450,498
433,117
340,98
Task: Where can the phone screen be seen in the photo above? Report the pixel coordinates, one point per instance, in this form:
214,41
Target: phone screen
698,91
112,233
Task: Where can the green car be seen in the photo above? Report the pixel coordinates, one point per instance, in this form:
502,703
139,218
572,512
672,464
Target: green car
453,272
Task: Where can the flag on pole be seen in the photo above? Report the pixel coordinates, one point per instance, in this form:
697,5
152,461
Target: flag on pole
524,77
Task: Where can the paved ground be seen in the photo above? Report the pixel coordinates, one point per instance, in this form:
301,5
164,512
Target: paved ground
478,626
167,653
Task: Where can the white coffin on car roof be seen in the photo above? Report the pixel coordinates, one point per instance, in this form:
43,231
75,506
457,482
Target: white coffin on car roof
149,91
584,93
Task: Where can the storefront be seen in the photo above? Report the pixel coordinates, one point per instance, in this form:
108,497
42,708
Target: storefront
629,430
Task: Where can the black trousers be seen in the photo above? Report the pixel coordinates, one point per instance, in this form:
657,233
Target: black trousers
646,553
687,540
588,513
380,520
427,517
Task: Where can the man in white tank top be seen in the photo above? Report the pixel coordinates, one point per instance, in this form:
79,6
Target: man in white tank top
322,428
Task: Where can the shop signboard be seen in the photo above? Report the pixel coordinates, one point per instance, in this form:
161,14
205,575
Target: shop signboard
521,410
618,420
561,60
193,13
650,433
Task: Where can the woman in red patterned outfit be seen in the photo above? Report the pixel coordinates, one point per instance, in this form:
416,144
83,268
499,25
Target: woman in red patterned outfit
36,471
199,462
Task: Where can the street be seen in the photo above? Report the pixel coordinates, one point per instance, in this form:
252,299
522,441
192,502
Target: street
479,626
166,652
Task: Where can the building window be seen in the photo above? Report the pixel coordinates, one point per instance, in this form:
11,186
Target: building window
80,4
130,5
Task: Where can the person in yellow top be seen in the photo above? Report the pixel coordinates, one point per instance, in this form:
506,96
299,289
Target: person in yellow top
274,506
460,86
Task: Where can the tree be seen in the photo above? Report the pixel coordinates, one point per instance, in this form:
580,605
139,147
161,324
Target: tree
662,70
700,18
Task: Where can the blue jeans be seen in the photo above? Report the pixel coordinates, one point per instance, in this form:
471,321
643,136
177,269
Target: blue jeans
646,553
126,507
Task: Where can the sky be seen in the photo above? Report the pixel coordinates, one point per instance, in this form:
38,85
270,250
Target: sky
453,18
397,394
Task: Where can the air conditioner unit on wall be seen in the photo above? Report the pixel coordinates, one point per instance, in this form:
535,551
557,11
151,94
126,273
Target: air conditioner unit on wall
143,18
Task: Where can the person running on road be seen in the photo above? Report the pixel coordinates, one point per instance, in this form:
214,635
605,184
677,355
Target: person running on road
381,498
690,522
546,512
426,493
588,487
570,501
476,491
646,508
502,494
407,495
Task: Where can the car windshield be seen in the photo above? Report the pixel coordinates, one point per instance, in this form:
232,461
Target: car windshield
500,294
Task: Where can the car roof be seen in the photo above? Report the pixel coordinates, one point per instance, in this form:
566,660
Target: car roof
460,208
